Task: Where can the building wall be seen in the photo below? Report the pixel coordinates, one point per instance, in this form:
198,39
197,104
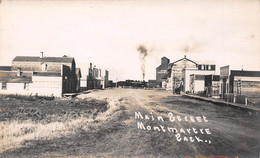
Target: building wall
249,86
199,86
212,86
176,77
196,85
16,88
78,84
83,83
188,72
106,78
47,86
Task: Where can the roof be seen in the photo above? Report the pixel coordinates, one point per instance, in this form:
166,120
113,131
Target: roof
49,74
245,73
43,59
171,64
11,77
164,57
5,68
162,67
183,59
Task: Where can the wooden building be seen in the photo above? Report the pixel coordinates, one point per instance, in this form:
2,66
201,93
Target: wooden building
239,82
180,71
48,76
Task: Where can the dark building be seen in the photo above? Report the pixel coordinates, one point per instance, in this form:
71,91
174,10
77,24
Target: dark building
161,71
212,86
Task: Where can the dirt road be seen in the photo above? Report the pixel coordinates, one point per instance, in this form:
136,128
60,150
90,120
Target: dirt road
149,123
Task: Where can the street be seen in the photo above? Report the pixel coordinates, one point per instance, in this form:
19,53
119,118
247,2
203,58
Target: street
153,123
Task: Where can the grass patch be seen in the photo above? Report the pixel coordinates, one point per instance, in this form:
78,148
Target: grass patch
25,97
23,119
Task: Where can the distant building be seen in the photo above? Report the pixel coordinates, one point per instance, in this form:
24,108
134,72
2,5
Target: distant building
104,79
92,81
96,78
40,75
162,73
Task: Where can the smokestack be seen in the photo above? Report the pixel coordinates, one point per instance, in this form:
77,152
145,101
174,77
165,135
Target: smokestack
41,55
18,72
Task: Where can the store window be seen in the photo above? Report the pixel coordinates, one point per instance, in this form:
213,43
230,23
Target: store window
4,86
44,67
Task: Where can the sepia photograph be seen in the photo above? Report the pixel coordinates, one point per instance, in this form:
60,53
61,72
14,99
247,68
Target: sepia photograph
130,78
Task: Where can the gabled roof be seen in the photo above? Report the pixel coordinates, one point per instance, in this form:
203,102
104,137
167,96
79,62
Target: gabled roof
43,59
171,64
11,77
184,59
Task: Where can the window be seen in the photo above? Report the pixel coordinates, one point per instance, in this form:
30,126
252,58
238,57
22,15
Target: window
44,67
4,86
202,67
26,86
209,67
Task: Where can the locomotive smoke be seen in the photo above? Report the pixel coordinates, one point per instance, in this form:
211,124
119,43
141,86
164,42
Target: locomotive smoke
143,53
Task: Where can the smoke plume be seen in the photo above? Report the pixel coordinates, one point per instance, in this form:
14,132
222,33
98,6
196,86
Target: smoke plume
143,53
186,49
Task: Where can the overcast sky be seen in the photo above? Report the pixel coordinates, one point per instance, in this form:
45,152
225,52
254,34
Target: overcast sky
108,33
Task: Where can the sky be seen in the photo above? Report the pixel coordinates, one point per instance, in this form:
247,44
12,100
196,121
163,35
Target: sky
109,33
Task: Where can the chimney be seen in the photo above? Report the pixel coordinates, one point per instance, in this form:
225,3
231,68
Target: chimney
18,72
41,55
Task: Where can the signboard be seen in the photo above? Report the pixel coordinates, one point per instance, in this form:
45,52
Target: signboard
224,71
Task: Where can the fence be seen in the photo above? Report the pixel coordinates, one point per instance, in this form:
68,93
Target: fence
241,99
